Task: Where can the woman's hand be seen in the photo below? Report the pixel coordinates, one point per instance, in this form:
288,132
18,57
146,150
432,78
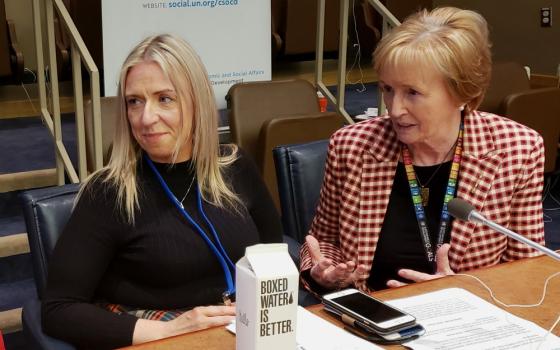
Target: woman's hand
326,273
442,269
201,317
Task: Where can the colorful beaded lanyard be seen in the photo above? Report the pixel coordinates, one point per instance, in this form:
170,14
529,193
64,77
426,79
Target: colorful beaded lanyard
417,198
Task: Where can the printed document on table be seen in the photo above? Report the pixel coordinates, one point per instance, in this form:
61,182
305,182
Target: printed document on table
457,319
315,333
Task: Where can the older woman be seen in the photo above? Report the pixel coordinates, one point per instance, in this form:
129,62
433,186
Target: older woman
382,213
154,234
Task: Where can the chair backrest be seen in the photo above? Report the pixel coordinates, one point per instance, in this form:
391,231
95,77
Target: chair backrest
109,112
86,14
11,57
300,28
5,65
46,211
507,78
539,109
251,104
300,170
509,94
63,44
286,130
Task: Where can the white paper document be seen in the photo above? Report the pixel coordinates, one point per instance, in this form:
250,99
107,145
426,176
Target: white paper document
457,319
315,333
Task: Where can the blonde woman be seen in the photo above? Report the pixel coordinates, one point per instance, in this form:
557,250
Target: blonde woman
382,218
154,235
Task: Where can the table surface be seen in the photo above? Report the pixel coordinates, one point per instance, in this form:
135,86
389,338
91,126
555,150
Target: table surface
519,282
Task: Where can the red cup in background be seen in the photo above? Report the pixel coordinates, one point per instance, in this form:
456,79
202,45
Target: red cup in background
322,101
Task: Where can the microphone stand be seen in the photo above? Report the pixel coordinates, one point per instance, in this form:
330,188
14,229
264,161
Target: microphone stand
478,218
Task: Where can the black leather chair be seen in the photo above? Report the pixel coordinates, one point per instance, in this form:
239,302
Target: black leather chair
46,212
299,169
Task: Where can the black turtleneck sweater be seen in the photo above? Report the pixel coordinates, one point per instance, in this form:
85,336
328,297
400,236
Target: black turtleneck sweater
160,262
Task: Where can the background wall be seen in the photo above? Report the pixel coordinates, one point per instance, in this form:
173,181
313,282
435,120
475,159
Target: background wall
514,25
516,33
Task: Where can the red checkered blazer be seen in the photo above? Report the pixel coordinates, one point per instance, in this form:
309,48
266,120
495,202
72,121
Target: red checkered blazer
501,174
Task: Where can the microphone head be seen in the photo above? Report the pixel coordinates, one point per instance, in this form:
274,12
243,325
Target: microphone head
460,208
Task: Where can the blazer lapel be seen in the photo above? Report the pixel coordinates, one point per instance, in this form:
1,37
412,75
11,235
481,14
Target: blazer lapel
479,165
378,166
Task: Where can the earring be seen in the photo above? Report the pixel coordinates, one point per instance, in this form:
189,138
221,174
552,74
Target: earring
462,108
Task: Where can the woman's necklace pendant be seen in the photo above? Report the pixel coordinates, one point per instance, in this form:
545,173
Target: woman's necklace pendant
425,194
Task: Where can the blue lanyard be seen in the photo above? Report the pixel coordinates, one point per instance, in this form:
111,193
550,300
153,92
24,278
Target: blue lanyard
219,251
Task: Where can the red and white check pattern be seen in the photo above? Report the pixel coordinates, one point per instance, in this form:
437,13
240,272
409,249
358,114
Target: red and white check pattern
501,174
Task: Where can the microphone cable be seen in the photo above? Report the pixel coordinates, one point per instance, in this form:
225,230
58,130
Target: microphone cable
357,57
463,210
539,303
27,93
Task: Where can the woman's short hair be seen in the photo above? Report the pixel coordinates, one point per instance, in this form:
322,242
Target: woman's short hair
184,68
453,41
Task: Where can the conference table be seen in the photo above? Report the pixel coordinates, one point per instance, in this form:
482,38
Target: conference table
518,282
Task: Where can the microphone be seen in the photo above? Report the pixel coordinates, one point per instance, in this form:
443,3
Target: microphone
463,210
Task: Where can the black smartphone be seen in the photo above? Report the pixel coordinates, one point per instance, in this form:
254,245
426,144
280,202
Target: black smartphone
368,311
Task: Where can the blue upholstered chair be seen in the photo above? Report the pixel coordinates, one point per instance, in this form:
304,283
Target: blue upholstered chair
299,170
46,212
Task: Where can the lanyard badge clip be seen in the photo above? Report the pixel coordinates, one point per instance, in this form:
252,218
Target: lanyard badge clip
228,298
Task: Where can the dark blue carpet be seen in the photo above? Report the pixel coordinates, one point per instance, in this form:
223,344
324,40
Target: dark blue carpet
11,215
15,268
20,292
16,341
357,98
11,224
27,144
16,272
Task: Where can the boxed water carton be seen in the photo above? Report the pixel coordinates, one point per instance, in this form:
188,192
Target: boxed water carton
267,293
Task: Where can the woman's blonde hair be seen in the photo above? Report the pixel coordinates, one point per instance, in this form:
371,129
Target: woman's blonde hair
453,41
184,68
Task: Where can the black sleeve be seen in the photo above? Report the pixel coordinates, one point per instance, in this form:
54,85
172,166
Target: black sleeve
80,258
249,184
